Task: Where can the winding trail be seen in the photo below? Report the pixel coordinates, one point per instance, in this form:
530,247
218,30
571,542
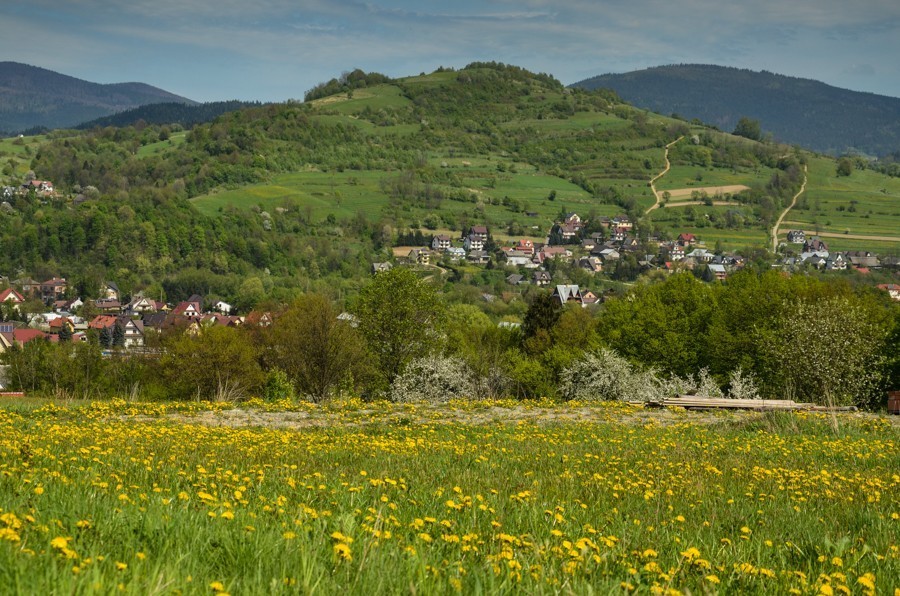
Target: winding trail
789,207
660,175
671,205
852,236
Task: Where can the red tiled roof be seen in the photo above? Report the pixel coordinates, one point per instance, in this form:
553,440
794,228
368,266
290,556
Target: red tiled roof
16,297
23,336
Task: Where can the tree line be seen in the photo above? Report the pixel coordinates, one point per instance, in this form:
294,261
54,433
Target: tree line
400,338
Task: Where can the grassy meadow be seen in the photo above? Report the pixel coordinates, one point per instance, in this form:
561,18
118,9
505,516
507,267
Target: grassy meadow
864,203
466,497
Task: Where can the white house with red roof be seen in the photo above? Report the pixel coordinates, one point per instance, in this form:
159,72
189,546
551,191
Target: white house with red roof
11,296
188,309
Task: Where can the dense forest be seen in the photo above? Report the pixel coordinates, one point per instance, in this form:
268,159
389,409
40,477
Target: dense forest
797,111
168,113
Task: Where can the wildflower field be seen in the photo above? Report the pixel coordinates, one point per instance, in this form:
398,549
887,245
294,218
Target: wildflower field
464,497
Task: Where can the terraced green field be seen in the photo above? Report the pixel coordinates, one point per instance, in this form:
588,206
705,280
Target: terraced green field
864,203
685,176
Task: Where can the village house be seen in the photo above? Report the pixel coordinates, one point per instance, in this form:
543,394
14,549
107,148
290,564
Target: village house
67,306
189,309
12,297
815,244
28,286
686,239
701,255
41,187
588,298
140,305
422,256
109,305
796,236
717,271
133,331
517,258
591,264
893,290
53,289
473,242
479,232
381,267
622,221
222,307
525,245
862,258
456,253
568,293
541,278
478,257
441,242
110,291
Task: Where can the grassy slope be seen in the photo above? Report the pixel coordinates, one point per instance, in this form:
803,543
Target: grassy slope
877,209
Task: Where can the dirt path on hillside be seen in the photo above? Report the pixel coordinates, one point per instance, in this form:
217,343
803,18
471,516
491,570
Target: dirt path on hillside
660,175
789,207
851,236
686,203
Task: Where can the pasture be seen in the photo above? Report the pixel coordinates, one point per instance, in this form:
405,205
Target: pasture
465,497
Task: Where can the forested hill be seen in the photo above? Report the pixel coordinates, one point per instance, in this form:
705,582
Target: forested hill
169,113
265,200
798,111
36,97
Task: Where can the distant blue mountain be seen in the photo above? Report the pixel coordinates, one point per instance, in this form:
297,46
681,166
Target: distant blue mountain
797,111
33,97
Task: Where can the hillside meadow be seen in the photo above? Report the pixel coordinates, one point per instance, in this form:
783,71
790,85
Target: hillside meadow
463,497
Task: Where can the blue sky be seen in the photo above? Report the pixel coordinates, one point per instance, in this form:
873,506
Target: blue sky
274,50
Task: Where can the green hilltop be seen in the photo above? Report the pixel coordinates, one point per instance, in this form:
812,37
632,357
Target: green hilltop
305,194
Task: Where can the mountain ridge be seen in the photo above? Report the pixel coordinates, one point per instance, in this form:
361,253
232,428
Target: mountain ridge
795,110
31,96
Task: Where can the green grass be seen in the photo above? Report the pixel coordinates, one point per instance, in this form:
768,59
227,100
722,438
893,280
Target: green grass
175,139
376,98
865,203
500,497
683,176
580,121
341,193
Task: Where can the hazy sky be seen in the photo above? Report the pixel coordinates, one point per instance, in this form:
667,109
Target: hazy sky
273,50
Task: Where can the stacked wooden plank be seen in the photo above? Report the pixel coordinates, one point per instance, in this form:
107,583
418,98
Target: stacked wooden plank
694,401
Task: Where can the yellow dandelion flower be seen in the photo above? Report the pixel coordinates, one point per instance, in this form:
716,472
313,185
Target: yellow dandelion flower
120,566
342,551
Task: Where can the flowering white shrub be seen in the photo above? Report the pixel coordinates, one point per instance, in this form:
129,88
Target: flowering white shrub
433,379
742,386
604,375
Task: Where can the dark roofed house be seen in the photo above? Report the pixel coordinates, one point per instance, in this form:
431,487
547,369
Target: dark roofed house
815,244
567,293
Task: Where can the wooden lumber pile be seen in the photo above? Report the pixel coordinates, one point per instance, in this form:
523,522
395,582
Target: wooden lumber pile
698,402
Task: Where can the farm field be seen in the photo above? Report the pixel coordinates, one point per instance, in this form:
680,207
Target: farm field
465,497
348,193
685,176
864,203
